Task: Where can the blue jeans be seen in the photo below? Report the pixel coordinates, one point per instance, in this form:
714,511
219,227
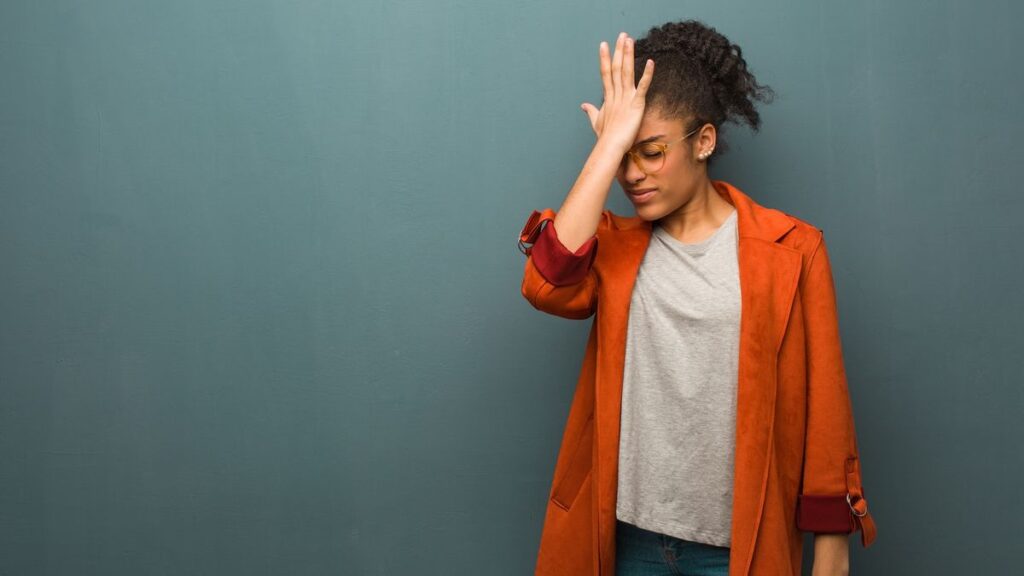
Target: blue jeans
640,552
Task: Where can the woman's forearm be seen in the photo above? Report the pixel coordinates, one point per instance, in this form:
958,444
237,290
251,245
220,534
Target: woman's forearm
831,555
576,220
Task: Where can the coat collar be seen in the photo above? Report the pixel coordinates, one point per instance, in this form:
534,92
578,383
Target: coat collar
752,219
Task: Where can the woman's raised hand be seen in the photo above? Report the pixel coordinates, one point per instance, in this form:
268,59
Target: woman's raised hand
620,115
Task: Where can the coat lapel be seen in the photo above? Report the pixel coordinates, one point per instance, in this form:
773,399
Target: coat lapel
769,273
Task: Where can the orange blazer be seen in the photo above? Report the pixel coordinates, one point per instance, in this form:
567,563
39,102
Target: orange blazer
796,463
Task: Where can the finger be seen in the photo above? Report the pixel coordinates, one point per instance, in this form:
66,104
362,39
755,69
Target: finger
591,112
628,81
606,71
645,80
617,63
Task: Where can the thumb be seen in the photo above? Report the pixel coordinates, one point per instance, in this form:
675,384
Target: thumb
591,112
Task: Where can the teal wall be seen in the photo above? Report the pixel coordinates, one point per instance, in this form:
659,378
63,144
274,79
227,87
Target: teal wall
260,299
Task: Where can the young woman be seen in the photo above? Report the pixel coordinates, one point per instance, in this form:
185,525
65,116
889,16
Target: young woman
711,424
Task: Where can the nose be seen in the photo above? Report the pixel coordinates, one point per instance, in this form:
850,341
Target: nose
633,172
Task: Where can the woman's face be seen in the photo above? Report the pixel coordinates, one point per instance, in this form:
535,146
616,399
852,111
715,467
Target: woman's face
680,176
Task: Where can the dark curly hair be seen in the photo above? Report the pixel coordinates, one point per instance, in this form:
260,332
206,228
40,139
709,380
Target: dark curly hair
699,75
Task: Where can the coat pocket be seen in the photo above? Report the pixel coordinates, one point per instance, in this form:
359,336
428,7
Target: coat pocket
577,468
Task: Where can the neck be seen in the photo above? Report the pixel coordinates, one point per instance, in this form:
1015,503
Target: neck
699,216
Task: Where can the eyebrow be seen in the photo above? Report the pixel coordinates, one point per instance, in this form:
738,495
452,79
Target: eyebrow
646,140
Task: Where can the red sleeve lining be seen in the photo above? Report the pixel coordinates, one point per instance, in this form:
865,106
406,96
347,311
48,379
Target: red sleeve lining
556,263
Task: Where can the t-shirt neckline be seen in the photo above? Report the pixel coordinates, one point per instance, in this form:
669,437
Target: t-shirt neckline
704,244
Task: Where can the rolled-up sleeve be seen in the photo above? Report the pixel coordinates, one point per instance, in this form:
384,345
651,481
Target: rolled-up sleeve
555,279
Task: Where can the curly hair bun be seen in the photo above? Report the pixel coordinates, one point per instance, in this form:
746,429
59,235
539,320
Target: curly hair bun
700,74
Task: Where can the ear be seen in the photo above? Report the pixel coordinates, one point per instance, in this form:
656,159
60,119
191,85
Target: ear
706,140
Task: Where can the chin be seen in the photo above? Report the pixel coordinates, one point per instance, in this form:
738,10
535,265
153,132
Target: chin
648,212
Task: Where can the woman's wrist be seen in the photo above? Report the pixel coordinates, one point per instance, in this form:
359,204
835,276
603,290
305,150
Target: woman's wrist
613,146
831,555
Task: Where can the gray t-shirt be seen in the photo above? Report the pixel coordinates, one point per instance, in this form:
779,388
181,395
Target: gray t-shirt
677,437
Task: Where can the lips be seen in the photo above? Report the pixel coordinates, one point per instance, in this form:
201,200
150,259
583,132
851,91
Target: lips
641,194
